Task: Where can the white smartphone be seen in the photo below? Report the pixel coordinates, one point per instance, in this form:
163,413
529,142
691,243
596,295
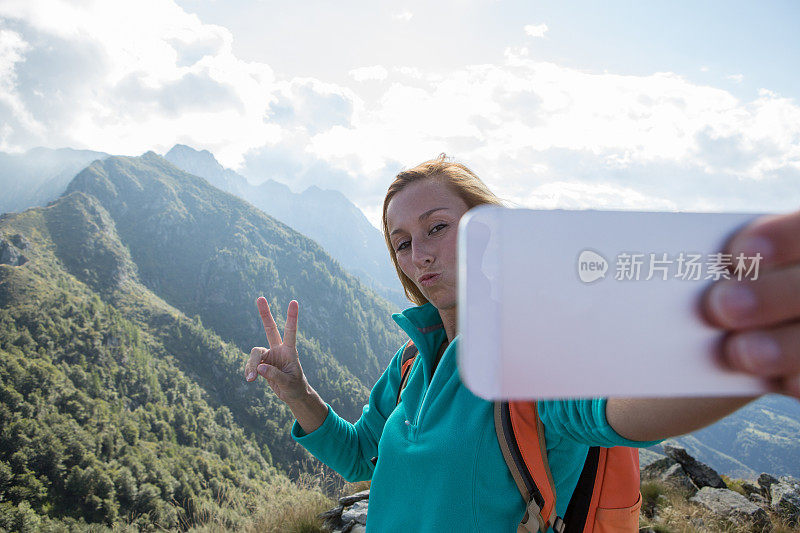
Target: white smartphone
572,304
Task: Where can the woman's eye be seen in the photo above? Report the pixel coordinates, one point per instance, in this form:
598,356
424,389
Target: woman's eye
437,227
402,246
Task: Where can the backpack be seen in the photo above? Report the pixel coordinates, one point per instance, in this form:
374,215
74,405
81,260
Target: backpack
606,498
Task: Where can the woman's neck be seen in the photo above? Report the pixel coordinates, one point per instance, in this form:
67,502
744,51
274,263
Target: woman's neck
449,321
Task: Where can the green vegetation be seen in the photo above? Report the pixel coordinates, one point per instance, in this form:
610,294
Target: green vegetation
666,509
210,254
735,485
98,425
116,408
651,493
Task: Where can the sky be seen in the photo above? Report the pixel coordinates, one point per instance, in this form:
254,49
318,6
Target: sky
681,105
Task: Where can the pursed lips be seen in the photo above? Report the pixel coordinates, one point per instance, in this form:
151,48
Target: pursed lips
427,277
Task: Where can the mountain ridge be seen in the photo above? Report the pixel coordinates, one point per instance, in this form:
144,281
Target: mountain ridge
85,308
326,216
173,223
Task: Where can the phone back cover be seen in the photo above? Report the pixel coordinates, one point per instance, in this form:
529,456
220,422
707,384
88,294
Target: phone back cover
552,303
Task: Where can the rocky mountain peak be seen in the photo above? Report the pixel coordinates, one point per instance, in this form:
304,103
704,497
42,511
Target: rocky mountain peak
187,155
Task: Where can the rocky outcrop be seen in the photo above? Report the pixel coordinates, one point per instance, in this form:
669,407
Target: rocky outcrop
701,475
20,242
655,469
785,499
731,505
765,481
669,471
749,488
350,516
11,250
676,476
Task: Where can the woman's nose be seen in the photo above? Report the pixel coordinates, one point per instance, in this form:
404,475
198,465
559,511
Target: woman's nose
421,255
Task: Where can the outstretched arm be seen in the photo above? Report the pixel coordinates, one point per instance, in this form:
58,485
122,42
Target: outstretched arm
762,322
658,418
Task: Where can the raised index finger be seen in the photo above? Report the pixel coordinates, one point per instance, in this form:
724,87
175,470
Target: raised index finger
290,331
270,327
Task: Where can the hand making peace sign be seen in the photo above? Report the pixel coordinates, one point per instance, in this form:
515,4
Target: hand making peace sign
280,364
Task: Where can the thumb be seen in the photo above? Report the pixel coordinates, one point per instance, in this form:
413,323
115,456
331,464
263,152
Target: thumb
266,371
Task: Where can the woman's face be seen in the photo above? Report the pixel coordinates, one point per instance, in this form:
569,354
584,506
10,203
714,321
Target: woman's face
422,220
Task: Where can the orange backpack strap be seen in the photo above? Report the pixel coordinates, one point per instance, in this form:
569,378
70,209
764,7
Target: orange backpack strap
410,352
521,437
607,496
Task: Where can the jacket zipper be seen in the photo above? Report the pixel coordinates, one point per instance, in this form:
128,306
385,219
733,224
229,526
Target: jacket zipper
428,388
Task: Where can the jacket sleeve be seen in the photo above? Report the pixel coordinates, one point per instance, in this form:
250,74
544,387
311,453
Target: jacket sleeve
348,448
583,421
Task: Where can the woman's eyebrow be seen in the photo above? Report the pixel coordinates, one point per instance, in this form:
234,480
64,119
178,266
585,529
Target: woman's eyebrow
429,212
422,217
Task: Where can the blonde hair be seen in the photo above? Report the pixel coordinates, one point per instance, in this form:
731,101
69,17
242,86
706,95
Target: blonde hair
455,176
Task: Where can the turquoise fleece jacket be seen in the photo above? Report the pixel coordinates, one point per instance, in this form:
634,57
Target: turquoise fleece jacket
439,464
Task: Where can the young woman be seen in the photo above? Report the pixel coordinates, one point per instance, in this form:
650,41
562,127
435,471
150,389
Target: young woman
439,466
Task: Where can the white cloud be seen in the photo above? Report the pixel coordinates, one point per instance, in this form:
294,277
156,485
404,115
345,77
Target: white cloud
536,30
126,78
376,72
412,72
581,195
12,47
736,78
404,15
12,109
526,122
130,78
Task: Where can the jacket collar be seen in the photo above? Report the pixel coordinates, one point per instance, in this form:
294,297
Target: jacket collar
423,325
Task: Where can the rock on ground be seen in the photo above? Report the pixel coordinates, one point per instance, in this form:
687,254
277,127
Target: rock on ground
786,499
353,498
701,475
765,481
9,253
731,505
657,468
677,477
669,471
350,516
758,499
356,513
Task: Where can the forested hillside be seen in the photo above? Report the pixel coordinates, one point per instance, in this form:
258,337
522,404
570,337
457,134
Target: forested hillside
114,404
211,254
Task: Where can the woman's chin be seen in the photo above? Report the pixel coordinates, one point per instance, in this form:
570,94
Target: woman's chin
440,296
440,303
